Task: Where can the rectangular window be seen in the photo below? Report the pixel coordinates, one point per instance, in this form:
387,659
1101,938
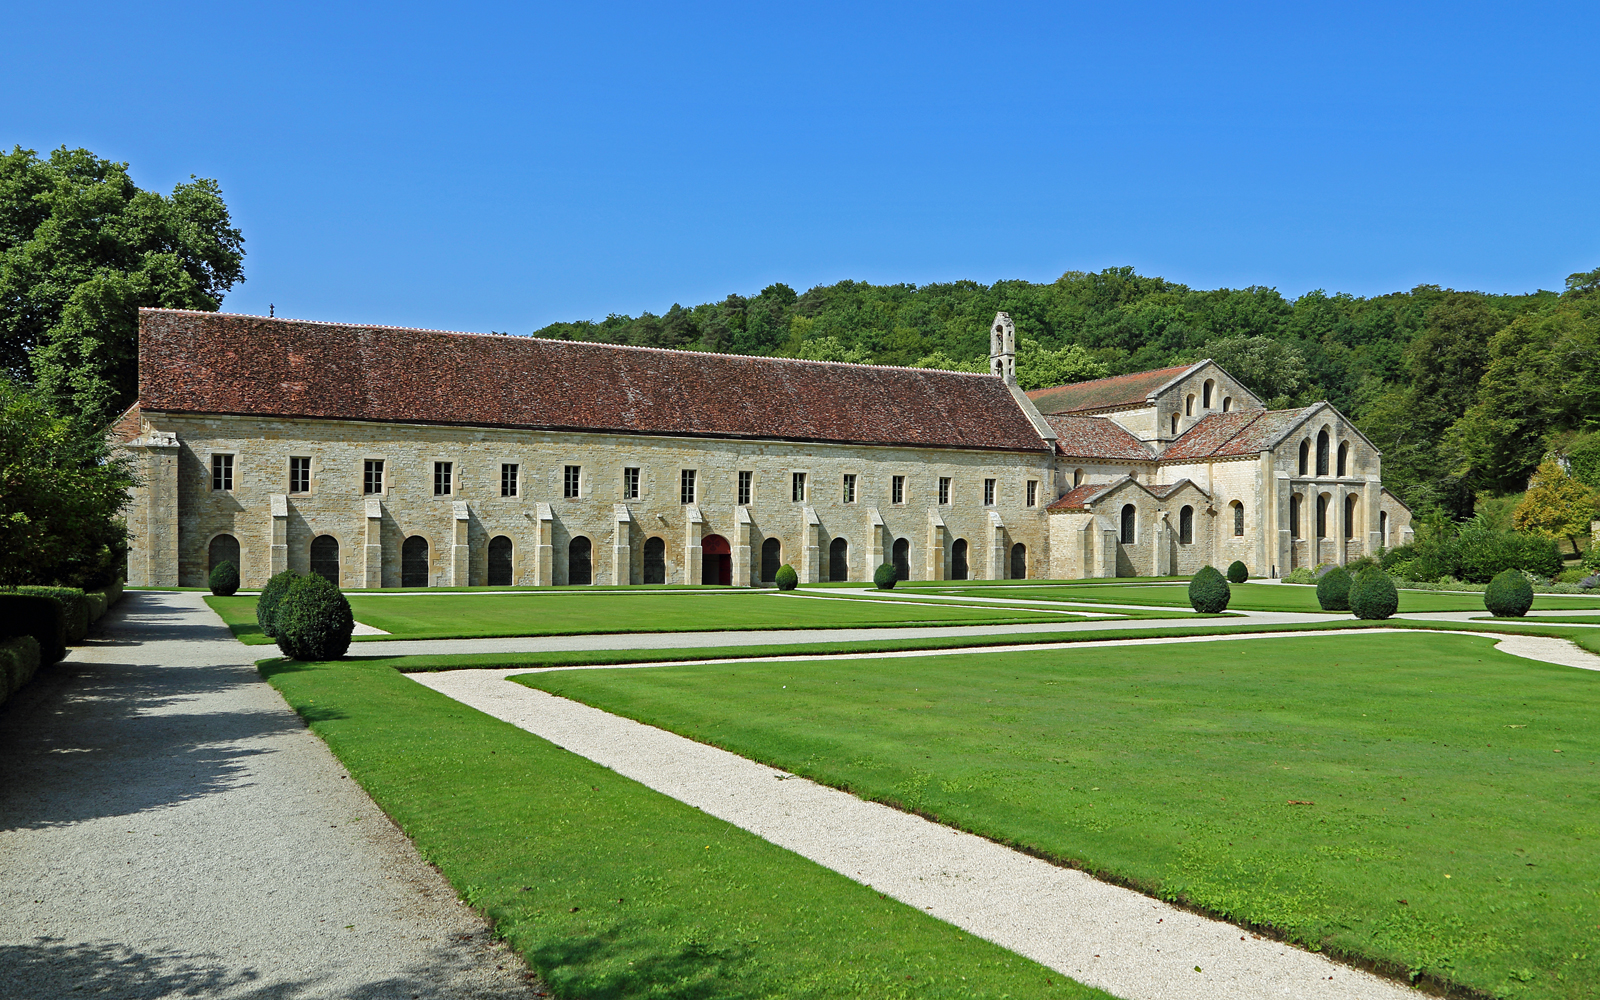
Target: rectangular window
569,481
686,487
300,475
508,479
443,478
849,487
747,482
372,477
988,492
944,489
630,484
897,489
222,472
1033,493
799,487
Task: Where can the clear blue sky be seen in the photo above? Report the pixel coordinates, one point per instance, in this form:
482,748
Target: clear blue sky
504,166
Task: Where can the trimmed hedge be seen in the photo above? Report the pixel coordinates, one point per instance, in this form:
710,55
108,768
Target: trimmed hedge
224,579
35,615
1333,590
19,661
1238,572
786,578
313,621
271,597
1209,593
1510,595
74,611
886,577
1372,595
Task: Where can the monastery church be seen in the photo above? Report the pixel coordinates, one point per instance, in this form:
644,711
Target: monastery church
384,457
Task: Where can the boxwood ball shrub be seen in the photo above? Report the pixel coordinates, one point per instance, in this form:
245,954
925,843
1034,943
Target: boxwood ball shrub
886,576
313,621
1209,593
1333,590
1238,572
271,597
1509,595
1372,595
224,579
786,578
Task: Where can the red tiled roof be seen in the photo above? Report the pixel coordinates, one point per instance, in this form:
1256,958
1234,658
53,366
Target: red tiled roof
195,362
126,427
1079,496
1096,437
1102,393
1241,432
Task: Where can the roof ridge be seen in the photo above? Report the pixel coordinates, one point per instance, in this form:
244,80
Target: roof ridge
1108,378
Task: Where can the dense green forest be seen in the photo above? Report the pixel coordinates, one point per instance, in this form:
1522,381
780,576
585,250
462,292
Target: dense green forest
1464,392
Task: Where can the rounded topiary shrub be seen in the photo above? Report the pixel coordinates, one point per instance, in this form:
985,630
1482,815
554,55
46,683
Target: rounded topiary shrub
1209,593
1333,590
1372,595
786,578
886,576
1509,595
313,621
271,597
1238,572
224,579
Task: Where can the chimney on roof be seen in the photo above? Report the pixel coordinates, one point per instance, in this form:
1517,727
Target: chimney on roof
1003,348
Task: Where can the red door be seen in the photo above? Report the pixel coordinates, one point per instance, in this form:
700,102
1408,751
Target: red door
717,561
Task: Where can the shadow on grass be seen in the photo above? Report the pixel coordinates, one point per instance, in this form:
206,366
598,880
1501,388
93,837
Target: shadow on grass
692,970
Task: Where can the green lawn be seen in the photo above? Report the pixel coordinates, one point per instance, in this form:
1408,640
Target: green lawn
1309,784
458,616
1255,597
609,889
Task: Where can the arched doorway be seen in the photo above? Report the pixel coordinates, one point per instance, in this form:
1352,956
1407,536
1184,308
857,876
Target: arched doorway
500,552
902,558
224,548
325,558
579,569
958,559
655,560
1019,561
838,560
414,562
716,561
771,559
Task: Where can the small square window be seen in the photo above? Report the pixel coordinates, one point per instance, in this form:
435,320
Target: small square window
508,479
443,478
944,489
988,492
1033,493
897,489
630,484
799,487
849,487
570,478
747,482
222,472
686,487
300,474
372,476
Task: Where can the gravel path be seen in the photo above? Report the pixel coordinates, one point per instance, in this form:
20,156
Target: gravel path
168,828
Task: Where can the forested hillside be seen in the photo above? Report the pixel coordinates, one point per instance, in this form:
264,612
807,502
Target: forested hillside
1464,392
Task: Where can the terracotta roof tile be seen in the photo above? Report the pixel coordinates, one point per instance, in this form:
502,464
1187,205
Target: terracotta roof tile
1224,435
196,362
1078,497
1096,437
1103,393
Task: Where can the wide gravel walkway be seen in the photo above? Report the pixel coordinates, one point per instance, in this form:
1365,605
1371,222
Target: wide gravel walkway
168,827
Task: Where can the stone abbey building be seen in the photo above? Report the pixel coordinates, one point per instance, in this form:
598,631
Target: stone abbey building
383,457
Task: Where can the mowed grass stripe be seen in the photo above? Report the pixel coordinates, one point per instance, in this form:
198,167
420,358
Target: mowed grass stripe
1306,785
609,889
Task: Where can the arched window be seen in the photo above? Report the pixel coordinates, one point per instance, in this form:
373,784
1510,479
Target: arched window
1186,525
838,560
1130,516
1350,515
1344,456
902,558
1227,403
958,559
1174,425
580,569
655,560
1322,452
325,558
500,552
1383,528
1305,457
1019,561
1294,515
1205,394
1188,406
1238,518
1322,516
771,559
224,548
414,562
1077,478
